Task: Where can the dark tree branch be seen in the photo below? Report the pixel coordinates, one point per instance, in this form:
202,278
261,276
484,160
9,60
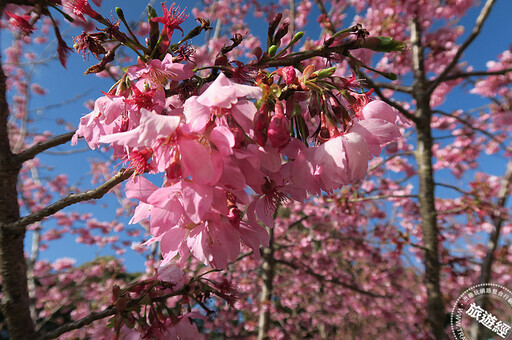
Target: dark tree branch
323,51
111,310
267,278
15,302
379,197
484,13
42,146
426,190
80,323
335,281
477,74
70,200
453,187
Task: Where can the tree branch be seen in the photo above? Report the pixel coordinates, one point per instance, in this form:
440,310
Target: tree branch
322,278
380,197
323,51
267,287
80,323
468,124
394,87
484,13
376,166
382,97
454,188
33,151
477,74
70,200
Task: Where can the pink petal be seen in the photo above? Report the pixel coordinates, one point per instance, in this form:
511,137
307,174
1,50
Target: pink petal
381,110
196,162
140,188
232,177
142,211
161,196
156,126
127,138
196,114
197,200
221,93
254,236
357,155
195,243
223,139
182,71
332,162
170,242
243,112
166,218
377,133
265,214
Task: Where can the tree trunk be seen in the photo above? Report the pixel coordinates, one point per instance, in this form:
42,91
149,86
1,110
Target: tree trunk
15,300
428,214
435,304
266,289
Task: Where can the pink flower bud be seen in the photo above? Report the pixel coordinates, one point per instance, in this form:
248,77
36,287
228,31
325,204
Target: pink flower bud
279,128
288,74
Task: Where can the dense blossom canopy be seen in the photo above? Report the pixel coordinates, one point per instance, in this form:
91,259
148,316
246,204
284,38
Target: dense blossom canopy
277,184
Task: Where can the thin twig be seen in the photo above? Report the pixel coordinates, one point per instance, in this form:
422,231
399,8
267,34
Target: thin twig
406,153
379,93
468,124
394,87
322,278
380,197
484,13
323,51
477,74
454,188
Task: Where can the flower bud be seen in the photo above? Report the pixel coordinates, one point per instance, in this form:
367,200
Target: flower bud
281,32
288,74
272,50
273,25
325,72
154,31
384,44
279,128
297,37
120,13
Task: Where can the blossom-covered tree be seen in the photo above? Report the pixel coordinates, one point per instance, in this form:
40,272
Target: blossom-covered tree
242,134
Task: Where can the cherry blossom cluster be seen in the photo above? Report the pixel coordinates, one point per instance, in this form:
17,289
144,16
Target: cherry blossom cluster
232,146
